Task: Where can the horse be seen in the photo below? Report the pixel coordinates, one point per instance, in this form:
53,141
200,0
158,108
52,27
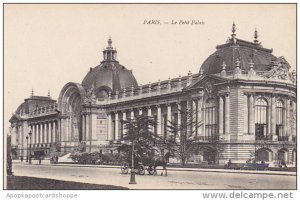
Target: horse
161,161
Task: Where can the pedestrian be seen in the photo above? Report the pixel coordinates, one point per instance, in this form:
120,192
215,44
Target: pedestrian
229,163
40,161
283,164
22,158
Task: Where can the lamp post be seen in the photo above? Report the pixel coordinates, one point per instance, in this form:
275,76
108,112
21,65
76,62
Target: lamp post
27,149
132,172
30,146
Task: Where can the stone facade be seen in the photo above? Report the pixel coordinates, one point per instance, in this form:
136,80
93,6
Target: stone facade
246,101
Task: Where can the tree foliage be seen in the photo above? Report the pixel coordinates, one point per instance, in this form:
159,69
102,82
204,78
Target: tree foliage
183,140
139,131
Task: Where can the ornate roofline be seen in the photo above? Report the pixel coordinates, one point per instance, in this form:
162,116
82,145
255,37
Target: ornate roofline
244,43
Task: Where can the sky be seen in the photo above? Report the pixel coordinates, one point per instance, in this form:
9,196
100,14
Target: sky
47,46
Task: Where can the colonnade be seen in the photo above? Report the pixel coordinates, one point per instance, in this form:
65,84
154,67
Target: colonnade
44,132
164,113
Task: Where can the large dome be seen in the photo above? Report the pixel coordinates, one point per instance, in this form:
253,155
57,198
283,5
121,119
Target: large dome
109,76
241,52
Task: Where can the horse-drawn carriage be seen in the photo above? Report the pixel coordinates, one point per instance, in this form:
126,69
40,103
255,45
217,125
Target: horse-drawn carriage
146,163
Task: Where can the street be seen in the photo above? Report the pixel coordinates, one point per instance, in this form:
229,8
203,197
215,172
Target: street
174,180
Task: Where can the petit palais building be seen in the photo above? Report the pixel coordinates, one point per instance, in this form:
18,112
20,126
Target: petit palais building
243,95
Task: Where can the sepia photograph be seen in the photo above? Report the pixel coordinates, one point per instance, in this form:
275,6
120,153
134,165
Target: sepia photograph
150,97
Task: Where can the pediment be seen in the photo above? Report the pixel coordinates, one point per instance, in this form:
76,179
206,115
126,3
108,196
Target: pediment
206,81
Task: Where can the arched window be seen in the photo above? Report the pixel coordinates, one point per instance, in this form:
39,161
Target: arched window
261,118
210,118
279,118
102,94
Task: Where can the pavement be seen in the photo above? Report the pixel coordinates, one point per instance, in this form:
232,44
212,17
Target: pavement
177,178
266,172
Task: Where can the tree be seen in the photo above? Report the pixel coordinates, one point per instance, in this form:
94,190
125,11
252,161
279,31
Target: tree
8,157
138,131
183,140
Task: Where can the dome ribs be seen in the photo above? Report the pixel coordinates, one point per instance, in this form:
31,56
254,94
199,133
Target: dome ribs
238,49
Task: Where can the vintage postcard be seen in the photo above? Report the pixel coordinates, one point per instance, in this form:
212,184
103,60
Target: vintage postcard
150,96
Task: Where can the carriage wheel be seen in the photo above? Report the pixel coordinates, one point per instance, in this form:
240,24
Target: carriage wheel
141,170
151,170
124,168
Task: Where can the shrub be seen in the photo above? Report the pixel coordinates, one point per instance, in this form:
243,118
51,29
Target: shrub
95,158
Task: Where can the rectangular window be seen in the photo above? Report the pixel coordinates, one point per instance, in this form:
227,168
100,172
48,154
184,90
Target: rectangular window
260,131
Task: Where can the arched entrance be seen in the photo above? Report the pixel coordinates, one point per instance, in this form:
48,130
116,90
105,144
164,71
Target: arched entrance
74,111
70,104
264,154
283,155
210,155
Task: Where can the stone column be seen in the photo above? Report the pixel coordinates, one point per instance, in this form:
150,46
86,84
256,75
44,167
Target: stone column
151,128
159,120
227,114
246,114
87,127
189,118
50,135
273,116
33,133
179,119
149,111
203,129
269,113
221,115
109,130
294,121
45,133
42,133
132,114
194,117
123,124
39,134
169,119
251,115
199,116
116,126
83,127
58,136
54,131
287,120
68,129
